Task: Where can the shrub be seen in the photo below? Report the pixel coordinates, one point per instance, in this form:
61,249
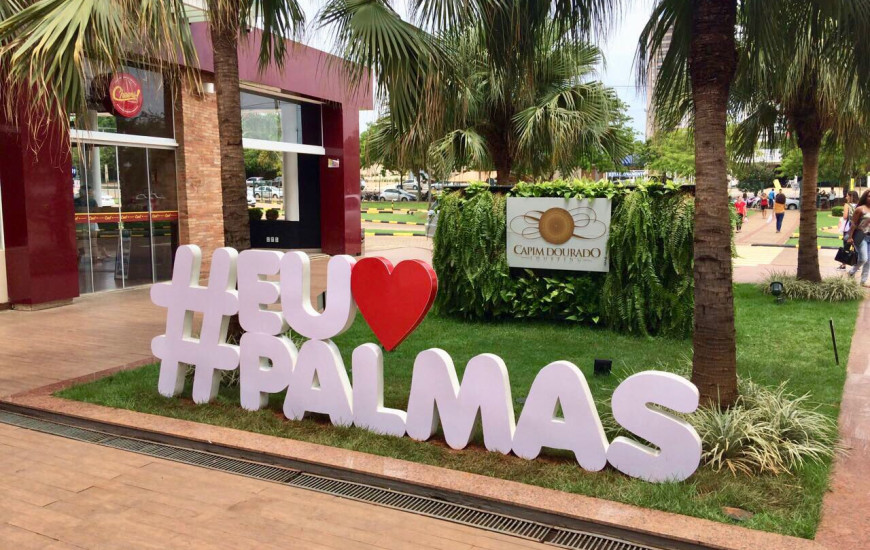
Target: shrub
272,214
255,214
648,289
837,211
767,431
831,289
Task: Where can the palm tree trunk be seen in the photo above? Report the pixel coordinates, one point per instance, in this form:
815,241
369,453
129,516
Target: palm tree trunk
225,41
808,252
712,63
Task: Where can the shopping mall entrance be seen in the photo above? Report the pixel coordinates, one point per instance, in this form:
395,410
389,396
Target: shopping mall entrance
126,215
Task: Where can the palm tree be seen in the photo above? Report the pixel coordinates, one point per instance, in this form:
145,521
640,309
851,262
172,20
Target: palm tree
228,20
45,49
543,119
489,80
695,79
802,82
698,70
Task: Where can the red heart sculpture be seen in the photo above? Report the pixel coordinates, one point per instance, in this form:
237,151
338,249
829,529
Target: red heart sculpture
393,301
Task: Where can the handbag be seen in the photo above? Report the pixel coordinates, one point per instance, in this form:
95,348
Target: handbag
848,256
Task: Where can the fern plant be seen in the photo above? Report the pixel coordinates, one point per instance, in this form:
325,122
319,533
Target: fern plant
648,289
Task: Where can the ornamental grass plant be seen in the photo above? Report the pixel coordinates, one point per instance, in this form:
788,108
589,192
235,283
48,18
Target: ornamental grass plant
831,289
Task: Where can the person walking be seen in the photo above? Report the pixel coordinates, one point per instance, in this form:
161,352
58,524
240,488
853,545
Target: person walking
779,209
740,206
859,235
846,220
771,197
763,206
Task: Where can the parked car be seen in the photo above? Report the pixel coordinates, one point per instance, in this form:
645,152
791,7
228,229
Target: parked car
396,195
792,204
268,192
413,187
254,180
251,200
279,181
362,184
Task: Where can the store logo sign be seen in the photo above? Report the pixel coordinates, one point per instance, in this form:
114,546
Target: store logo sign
125,94
270,292
554,233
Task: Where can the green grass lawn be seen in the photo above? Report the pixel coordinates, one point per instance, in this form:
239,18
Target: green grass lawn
824,220
789,342
418,217
411,205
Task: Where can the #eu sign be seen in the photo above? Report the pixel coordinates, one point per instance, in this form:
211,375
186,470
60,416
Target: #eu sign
556,233
394,301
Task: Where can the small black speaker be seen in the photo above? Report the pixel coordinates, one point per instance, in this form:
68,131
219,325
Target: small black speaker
602,366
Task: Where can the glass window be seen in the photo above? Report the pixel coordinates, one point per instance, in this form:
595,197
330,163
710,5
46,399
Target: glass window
155,118
275,119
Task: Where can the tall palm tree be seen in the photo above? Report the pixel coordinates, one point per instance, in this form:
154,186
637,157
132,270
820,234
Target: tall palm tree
802,81
543,119
695,79
486,57
46,46
698,69
227,21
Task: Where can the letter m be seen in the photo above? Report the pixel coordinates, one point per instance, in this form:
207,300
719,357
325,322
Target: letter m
484,395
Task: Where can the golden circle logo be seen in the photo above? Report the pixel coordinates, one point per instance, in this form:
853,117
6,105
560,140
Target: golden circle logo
557,225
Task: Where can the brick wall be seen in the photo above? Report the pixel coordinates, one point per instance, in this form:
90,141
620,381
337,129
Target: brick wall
199,172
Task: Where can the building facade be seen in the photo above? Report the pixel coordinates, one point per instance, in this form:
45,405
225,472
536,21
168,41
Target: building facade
106,209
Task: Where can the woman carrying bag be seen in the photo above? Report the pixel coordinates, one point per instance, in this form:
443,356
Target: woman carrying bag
859,235
846,220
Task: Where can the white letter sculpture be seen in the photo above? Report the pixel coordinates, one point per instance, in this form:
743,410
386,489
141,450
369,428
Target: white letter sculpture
580,428
217,302
368,394
319,384
485,391
340,309
680,445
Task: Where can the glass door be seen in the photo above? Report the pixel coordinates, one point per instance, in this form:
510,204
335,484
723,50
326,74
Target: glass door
98,218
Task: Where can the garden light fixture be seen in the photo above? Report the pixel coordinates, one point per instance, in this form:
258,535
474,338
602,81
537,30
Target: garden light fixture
776,289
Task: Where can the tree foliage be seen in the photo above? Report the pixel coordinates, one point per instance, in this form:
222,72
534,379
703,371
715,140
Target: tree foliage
506,84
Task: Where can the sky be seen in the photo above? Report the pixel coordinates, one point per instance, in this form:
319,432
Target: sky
619,49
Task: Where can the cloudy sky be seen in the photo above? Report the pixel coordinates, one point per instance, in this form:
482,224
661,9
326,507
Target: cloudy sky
619,50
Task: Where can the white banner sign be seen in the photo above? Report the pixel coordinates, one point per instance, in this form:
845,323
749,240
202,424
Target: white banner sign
555,233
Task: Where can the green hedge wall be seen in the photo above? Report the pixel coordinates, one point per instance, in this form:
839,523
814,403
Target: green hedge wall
647,291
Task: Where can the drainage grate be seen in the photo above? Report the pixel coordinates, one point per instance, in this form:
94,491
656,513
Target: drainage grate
158,450
457,513
577,540
424,506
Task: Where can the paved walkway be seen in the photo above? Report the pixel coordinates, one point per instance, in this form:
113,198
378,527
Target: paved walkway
754,263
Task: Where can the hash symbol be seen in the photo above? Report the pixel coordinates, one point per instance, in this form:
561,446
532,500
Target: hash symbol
183,296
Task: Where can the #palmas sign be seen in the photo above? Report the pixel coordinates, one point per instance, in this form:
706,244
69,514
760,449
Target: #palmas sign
316,380
556,233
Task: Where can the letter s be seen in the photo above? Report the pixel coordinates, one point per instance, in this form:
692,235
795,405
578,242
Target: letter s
679,444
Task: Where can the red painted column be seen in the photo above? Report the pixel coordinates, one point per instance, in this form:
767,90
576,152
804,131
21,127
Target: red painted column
38,222
340,224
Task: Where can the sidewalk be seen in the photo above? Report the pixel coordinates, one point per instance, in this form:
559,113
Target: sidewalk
754,263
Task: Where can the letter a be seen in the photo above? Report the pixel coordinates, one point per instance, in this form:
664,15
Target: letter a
580,428
319,384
